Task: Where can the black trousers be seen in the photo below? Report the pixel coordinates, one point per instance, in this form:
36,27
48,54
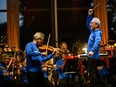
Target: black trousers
92,68
36,79
97,80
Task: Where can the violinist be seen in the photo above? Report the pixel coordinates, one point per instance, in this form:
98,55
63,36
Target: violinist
63,48
34,59
63,51
6,78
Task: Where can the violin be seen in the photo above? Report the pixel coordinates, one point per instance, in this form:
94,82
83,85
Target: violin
49,48
45,47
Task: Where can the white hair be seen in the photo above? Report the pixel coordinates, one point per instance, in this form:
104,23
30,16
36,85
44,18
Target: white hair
39,35
97,21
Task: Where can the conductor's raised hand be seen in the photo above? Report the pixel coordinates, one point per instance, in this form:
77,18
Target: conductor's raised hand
90,11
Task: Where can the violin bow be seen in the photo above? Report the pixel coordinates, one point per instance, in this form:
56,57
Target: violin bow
9,65
96,6
48,43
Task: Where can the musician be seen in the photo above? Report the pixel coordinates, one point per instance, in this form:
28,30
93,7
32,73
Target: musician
6,78
93,24
47,68
34,61
23,72
64,48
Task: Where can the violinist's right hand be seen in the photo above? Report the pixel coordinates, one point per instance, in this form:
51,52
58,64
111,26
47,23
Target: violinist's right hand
55,50
44,53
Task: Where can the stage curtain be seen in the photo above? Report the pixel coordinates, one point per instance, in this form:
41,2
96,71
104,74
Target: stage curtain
13,23
101,12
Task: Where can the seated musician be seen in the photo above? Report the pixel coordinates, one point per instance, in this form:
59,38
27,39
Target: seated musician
102,68
62,78
63,48
103,73
23,72
5,75
47,69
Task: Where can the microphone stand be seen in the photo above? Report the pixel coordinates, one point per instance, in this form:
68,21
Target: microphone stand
113,30
104,47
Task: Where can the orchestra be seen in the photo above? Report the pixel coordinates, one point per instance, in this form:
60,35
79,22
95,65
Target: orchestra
13,67
49,66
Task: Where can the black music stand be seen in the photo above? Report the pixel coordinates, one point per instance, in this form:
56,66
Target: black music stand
71,67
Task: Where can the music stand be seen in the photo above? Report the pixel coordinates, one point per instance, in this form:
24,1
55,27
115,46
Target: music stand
70,67
70,64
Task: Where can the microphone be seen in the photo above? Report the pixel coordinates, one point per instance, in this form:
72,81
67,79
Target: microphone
113,30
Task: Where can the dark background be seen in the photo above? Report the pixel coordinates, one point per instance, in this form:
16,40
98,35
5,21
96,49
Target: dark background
37,15
71,20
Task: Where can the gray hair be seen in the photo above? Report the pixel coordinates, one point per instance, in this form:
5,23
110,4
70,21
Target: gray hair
39,35
97,21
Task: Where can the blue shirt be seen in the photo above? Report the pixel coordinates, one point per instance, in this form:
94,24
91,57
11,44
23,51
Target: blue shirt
94,40
46,74
2,67
104,71
35,58
2,77
24,74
